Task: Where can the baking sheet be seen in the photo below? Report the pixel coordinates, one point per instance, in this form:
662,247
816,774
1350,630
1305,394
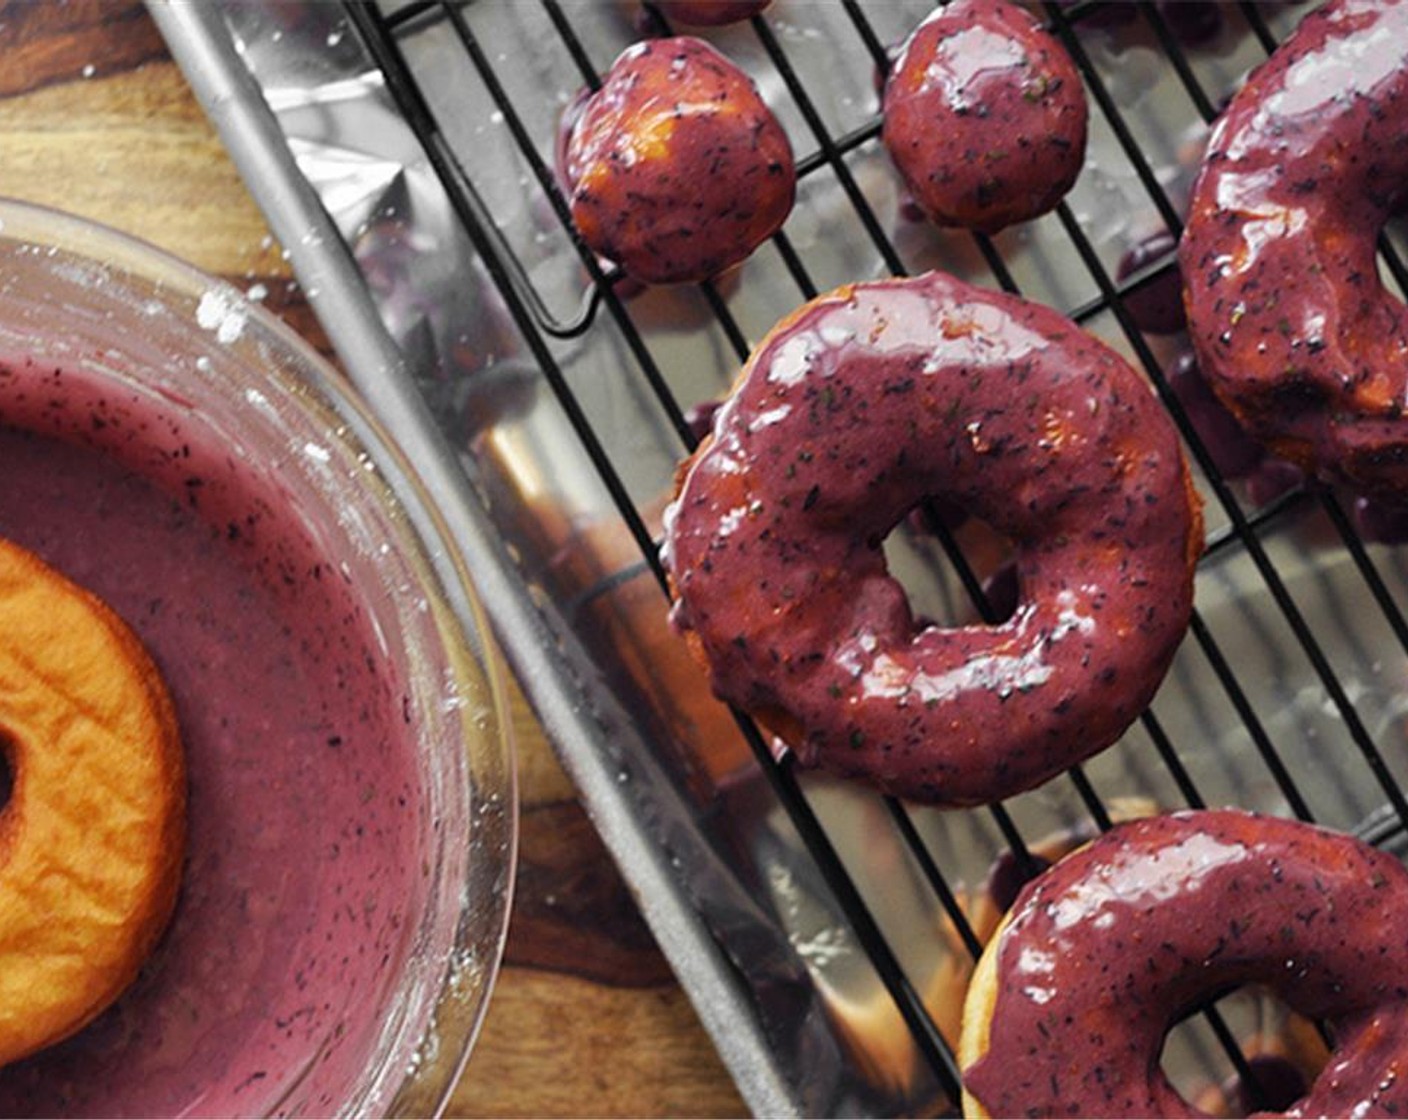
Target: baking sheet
732,892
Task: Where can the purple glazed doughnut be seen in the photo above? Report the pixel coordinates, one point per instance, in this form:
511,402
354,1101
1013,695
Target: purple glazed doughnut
1293,329
1103,953
675,168
984,116
847,414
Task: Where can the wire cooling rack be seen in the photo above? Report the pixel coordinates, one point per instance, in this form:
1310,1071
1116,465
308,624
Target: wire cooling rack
852,920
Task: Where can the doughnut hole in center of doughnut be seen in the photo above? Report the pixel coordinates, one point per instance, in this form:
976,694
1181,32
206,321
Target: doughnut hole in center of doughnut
1281,1053
954,566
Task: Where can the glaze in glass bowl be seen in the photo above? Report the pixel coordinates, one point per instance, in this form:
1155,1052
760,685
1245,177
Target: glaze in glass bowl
178,358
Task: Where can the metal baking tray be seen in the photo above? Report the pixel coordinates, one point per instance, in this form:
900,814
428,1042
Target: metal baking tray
403,155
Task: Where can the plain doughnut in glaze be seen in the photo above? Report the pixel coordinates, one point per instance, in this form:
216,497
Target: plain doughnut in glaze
92,837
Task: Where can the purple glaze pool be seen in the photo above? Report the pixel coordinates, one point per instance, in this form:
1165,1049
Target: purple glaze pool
303,870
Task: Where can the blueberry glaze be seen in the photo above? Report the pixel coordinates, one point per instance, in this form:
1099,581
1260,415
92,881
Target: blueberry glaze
1293,328
851,411
1106,951
676,169
984,116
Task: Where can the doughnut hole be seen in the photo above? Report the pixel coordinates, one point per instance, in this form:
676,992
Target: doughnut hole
1283,1053
700,189
917,554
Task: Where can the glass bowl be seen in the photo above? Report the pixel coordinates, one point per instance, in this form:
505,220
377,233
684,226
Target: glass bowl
352,812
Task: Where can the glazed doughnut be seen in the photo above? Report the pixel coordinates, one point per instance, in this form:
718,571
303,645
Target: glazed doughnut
1293,328
1102,954
675,168
875,1036
847,414
984,116
1284,1050
91,839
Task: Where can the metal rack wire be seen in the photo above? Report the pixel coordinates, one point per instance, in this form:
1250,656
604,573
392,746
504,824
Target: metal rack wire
386,32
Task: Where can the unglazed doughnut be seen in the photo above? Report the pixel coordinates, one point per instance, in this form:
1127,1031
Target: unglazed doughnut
1102,954
1293,328
676,169
984,116
847,414
91,840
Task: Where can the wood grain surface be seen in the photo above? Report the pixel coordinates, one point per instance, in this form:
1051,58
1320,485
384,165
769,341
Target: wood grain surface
95,119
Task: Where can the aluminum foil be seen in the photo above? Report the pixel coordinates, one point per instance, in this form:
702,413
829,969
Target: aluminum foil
774,966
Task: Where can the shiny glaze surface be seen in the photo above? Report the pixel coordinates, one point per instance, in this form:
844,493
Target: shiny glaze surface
1103,953
1293,328
848,413
985,116
676,169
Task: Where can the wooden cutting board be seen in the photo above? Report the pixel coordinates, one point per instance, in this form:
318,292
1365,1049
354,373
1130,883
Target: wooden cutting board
587,1019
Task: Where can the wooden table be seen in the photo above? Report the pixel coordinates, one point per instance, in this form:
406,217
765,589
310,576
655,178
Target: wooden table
587,1019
